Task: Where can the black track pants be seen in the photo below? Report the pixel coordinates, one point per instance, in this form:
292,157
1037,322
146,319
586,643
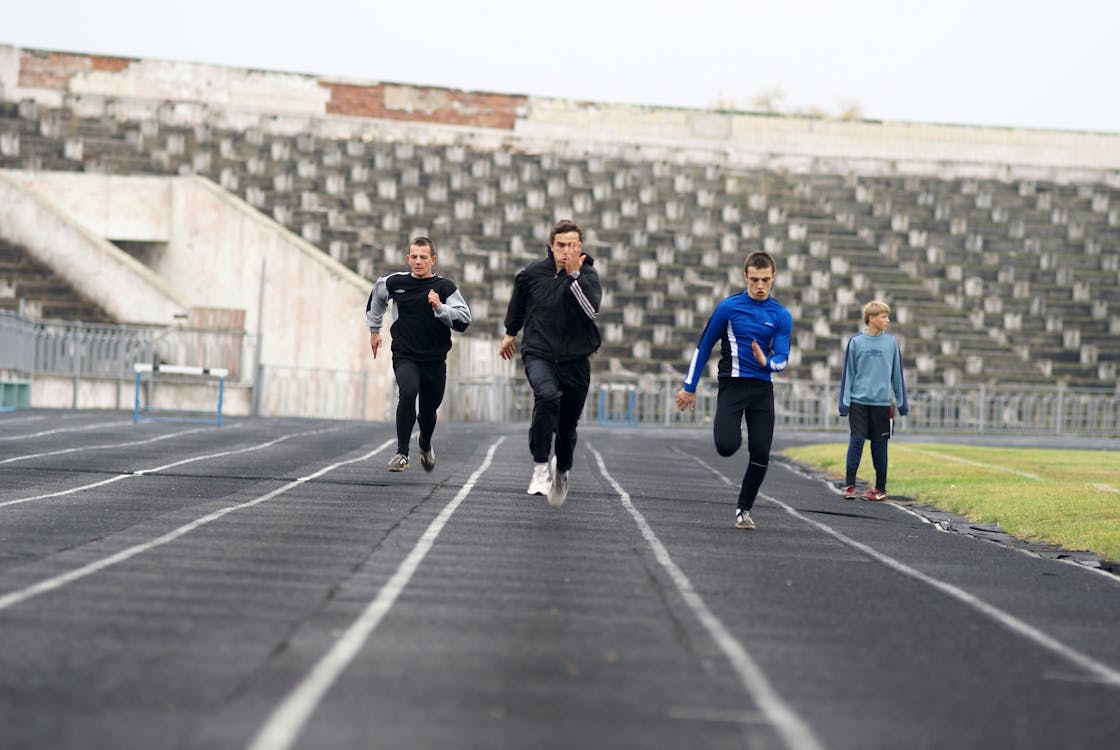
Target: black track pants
423,381
559,392
754,399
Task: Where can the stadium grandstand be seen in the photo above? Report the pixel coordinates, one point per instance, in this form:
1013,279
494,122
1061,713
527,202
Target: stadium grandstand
998,249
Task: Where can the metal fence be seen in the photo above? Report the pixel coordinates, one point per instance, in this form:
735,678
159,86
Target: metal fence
313,392
805,405
17,344
81,350
111,350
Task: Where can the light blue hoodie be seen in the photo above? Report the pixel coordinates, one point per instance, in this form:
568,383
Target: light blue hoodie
873,373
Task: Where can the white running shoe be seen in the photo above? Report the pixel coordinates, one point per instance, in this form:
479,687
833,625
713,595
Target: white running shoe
541,482
558,493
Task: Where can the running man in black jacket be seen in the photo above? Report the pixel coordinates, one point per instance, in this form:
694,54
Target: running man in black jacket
426,308
556,301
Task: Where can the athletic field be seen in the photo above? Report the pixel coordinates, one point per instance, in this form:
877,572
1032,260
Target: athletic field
268,584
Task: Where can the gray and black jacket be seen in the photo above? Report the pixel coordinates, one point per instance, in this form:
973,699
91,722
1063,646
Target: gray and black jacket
419,332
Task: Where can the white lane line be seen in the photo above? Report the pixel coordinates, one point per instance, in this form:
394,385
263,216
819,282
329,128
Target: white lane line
287,720
96,426
958,459
50,584
1102,672
13,420
794,732
25,457
945,530
142,472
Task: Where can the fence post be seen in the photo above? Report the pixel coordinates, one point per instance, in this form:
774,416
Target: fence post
1059,416
826,408
983,409
76,342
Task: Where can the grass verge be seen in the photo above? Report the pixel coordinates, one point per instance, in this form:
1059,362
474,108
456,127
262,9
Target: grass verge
1070,498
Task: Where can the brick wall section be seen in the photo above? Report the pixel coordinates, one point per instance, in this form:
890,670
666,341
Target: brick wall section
53,70
426,104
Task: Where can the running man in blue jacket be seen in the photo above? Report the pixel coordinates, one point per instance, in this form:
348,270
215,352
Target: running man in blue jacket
871,380
754,333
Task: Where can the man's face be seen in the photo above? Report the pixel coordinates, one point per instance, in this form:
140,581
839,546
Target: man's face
880,322
420,261
759,281
564,244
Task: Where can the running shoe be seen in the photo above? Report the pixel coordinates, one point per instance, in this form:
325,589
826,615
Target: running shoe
558,492
398,462
850,492
743,519
875,495
541,482
428,458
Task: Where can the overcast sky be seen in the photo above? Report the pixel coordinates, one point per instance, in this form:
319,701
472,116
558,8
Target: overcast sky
1021,63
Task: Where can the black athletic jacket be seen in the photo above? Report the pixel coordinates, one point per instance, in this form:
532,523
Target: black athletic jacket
419,332
557,311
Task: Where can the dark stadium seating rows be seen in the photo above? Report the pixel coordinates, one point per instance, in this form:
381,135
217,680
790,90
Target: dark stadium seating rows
1008,281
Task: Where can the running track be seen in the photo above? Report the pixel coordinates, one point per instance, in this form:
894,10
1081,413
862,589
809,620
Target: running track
267,584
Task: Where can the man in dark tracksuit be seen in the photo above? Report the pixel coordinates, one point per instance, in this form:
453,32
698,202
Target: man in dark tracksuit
426,308
556,301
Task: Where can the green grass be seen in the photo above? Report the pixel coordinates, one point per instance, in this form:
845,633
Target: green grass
1070,498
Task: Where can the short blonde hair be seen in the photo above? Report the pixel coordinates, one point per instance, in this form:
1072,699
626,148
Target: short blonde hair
873,308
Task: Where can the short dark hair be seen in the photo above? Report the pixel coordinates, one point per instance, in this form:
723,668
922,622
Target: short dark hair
760,260
562,227
424,242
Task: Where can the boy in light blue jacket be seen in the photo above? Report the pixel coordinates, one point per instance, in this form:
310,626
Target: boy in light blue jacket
872,381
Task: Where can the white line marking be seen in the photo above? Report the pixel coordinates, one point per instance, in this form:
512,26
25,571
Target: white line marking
104,445
958,459
944,530
1104,487
794,732
12,420
50,584
1104,673
96,426
287,720
142,472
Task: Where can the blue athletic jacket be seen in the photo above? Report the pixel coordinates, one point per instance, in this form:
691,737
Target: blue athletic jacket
735,323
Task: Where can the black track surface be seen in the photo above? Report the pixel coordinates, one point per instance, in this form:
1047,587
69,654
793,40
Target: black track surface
191,583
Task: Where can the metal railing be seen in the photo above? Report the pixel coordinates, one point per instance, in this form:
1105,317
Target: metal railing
805,405
111,350
82,350
17,344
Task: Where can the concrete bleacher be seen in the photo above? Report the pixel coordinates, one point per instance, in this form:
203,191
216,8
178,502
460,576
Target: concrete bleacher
991,280
32,289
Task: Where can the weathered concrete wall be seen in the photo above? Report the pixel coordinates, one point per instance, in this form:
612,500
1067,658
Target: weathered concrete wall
186,92
313,311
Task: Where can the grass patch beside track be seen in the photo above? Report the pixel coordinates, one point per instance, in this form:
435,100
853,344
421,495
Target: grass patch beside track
1070,498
